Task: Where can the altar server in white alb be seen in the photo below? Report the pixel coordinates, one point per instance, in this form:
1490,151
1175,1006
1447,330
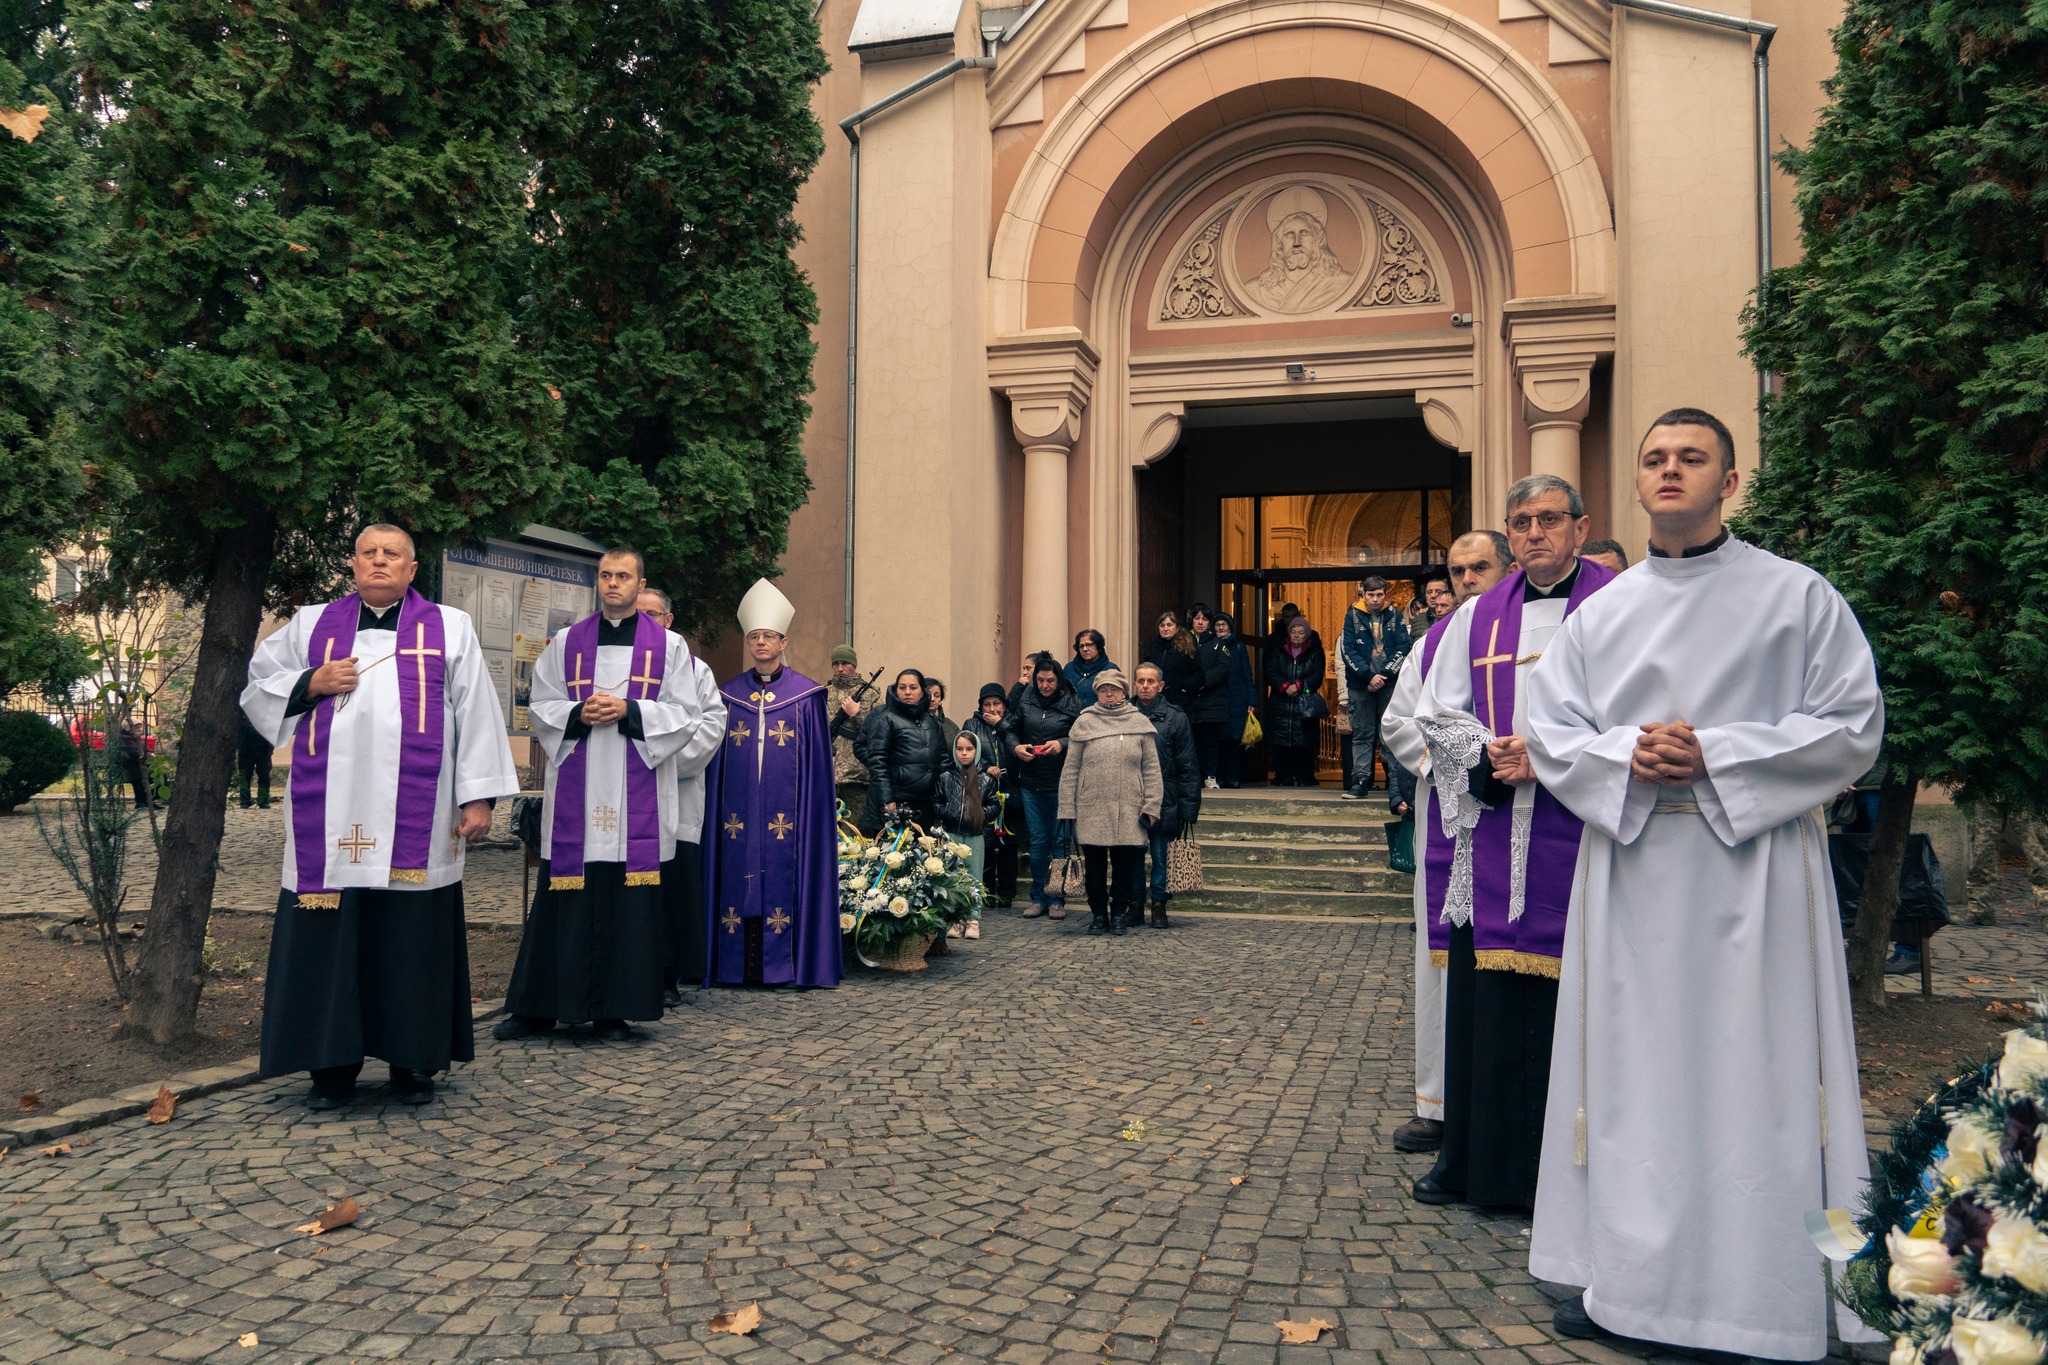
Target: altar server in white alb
398,752
683,894
614,703
1703,1092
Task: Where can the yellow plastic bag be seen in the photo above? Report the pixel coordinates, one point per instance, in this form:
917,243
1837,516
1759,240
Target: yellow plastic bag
1253,731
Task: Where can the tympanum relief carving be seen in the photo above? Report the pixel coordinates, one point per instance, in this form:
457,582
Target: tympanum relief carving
1298,248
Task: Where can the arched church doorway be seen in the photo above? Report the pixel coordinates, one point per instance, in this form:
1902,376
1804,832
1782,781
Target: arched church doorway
1263,505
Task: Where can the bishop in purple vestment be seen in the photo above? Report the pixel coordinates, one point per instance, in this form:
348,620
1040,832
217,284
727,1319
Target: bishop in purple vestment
771,843
1496,912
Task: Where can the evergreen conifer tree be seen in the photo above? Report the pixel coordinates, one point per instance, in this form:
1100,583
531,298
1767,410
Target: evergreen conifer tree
1908,450
44,233
302,323
664,301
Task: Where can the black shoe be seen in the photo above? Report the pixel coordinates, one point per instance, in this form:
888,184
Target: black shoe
1119,924
614,1031
1427,1191
1353,794
412,1087
1098,923
520,1026
1901,963
246,802
1159,914
1419,1135
671,998
1571,1320
331,1095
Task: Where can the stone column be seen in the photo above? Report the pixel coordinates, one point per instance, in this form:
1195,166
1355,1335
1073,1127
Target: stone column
1553,346
1048,378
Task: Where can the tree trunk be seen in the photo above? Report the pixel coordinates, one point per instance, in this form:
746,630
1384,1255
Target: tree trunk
1871,940
168,975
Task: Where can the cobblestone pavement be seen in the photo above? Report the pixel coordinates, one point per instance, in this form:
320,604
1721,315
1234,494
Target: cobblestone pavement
1028,1153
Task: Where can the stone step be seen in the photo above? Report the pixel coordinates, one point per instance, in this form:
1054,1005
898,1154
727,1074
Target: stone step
1370,856
1282,877
1322,802
1287,829
1338,904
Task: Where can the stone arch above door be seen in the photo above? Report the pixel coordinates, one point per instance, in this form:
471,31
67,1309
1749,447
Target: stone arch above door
1405,63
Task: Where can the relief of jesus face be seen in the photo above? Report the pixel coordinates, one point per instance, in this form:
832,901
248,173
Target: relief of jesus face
1299,241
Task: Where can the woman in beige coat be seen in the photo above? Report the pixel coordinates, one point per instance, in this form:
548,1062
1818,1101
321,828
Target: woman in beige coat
1110,793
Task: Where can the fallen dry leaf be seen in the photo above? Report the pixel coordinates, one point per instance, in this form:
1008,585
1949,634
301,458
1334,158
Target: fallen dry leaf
25,123
61,1149
32,1101
166,1105
246,1339
1302,1333
4,1151
1198,1023
1118,990
340,1216
741,1323
1239,1179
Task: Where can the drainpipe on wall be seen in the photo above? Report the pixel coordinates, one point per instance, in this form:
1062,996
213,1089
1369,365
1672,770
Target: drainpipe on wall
850,125
1763,33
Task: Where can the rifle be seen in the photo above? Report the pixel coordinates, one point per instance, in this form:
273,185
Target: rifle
869,685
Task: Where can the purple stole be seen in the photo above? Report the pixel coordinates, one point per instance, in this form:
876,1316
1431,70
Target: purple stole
643,809
1437,847
1517,925
422,664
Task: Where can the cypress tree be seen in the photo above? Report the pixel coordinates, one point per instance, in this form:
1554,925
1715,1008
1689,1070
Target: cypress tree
301,324
1908,449
45,229
664,301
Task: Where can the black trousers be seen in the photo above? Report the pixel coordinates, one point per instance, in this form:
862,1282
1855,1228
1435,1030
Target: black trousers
999,866
1209,747
1497,1035
1112,872
1294,764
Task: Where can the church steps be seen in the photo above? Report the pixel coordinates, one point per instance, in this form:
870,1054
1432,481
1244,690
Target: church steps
1289,829
1269,852
1366,857
1328,904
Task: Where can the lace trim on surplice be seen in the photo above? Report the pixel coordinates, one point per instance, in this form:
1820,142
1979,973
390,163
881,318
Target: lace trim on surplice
1456,741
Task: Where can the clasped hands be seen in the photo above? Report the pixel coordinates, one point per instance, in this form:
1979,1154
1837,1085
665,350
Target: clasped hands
1668,755
603,709
1510,758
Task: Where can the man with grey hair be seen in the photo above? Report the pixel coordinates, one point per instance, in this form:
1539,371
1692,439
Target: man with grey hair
1496,915
398,752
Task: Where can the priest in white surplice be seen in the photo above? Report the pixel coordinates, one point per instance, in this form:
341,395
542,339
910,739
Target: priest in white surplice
398,752
1704,1094
614,702
688,928
1478,560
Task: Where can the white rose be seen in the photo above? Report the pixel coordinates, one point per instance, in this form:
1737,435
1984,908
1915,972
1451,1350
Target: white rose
903,883
1921,1267
934,866
2026,1061
1972,1152
927,842
2016,1250
961,850
899,907
859,883
2000,1342
1905,1351
874,851
894,861
845,921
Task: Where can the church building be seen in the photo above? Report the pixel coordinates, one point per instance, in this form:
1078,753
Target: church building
1127,304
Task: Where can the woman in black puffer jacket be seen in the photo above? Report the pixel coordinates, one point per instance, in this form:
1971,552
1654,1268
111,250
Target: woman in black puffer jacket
1294,675
905,752
1043,708
1173,652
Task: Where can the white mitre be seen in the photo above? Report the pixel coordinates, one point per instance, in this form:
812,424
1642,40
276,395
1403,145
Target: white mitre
765,608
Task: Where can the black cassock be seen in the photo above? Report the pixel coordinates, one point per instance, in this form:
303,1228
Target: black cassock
593,953
1497,1028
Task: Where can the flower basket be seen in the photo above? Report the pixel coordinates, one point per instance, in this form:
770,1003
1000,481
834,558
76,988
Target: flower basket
906,954
899,892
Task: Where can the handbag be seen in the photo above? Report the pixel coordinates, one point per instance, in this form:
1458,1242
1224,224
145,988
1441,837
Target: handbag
1069,880
1183,863
1401,845
1254,732
1343,722
1313,707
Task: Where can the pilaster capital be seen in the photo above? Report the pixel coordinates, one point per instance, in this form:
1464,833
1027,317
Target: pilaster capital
1048,376
1553,345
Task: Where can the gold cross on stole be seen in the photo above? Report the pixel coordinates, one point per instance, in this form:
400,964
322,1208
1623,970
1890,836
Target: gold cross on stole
1493,657
646,676
780,825
782,734
731,920
355,844
605,818
313,716
732,826
578,681
741,734
420,652
779,920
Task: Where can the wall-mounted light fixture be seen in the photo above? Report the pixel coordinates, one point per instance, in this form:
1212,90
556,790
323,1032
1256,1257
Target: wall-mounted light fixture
1300,373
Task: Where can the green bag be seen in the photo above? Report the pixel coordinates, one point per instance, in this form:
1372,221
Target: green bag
1401,845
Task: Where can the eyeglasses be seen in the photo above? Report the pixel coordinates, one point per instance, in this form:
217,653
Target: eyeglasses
1549,521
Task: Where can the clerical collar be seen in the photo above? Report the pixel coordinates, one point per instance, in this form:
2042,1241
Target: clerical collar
1716,543
1532,593
377,618
770,680
610,632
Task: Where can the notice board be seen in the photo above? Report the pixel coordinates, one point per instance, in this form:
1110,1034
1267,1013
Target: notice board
517,596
